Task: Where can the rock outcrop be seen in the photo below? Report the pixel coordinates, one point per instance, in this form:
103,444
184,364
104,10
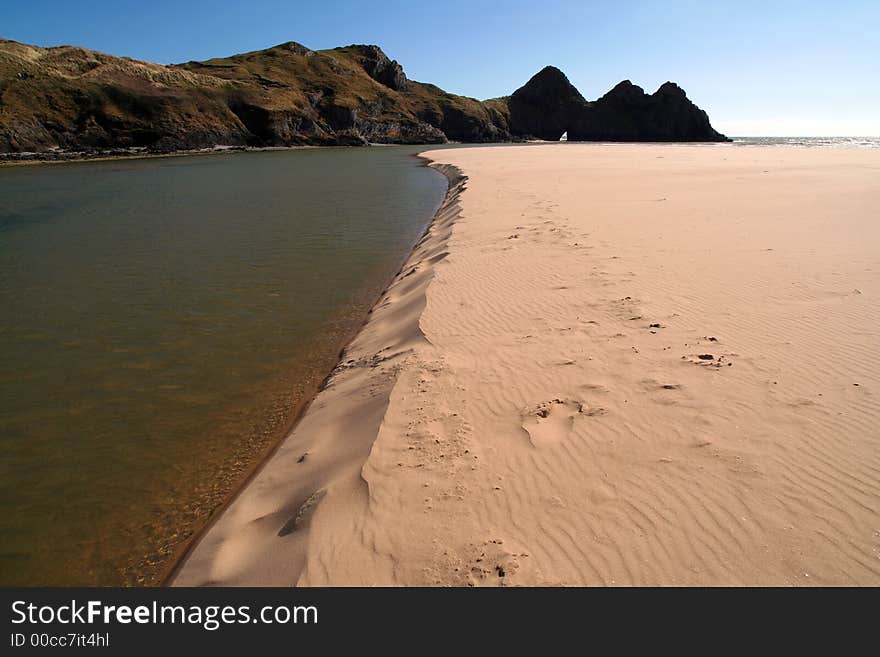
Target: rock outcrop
379,67
545,106
627,113
548,105
72,99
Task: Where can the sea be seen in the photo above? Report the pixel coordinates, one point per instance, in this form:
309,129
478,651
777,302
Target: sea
810,142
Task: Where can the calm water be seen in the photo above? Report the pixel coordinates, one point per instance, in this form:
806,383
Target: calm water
160,319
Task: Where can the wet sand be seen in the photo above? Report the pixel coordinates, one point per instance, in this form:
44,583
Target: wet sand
604,365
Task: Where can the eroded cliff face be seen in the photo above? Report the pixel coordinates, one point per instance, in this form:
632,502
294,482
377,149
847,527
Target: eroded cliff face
75,99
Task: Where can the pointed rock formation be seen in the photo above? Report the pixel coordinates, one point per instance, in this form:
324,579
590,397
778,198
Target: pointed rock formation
548,105
544,107
627,113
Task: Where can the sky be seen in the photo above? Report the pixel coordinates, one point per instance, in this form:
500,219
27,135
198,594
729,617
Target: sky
774,67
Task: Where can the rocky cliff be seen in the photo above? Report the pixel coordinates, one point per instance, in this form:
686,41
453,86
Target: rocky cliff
72,99
548,105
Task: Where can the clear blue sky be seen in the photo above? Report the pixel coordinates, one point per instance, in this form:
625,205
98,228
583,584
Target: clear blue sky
773,67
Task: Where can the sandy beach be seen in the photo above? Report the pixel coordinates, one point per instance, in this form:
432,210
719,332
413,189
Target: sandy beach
603,365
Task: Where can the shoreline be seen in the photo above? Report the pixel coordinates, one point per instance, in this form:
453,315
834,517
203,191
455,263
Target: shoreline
80,157
440,222
10,160
73,157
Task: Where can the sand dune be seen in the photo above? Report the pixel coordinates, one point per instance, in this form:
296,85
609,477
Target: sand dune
627,364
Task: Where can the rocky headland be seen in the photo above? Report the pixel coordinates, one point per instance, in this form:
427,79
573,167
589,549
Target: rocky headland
63,100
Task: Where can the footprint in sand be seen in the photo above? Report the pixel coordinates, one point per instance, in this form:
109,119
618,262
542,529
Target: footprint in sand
551,421
709,359
664,393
